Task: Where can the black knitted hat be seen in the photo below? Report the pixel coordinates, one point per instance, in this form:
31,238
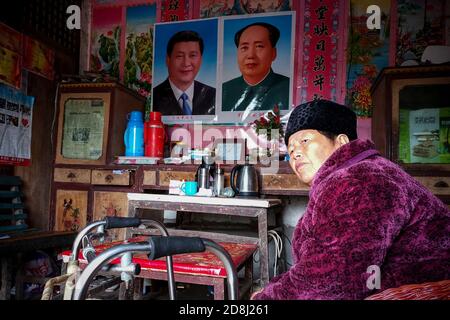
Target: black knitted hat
322,115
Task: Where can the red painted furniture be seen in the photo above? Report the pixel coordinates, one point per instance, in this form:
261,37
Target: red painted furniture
203,268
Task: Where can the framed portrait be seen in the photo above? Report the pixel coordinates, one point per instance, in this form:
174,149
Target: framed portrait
185,70
257,63
230,151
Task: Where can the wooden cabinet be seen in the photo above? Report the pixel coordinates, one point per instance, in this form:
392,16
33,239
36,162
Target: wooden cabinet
283,182
80,196
92,119
411,122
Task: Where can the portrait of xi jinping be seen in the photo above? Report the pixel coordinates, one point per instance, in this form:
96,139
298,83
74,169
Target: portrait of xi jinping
183,51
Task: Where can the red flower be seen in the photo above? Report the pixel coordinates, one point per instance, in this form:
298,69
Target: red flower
276,109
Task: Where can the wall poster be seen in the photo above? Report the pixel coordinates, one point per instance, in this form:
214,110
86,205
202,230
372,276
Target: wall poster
105,40
322,44
368,54
138,51
421,23
38,58
16,110
238,68
189,67
212,8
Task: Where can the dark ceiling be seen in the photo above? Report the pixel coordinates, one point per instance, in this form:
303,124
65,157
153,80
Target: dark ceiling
44,20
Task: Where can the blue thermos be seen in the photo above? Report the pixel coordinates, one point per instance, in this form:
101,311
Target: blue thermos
134,135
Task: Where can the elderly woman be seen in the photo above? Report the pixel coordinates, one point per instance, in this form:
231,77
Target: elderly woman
368,224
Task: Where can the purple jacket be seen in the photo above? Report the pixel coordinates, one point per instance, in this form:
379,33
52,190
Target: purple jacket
364,212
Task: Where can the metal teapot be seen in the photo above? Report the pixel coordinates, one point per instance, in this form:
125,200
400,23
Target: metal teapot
244,181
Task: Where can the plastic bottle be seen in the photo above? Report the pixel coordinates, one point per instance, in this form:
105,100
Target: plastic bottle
134,135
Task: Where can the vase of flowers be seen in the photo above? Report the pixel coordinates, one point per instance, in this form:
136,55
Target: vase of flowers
269,130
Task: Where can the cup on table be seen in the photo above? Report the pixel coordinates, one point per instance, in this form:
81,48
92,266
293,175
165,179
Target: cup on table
189,188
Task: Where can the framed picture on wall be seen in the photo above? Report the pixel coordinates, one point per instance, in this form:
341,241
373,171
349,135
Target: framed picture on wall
185,93
252,83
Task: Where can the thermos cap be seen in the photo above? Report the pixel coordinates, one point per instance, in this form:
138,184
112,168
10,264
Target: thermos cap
136,116
155,116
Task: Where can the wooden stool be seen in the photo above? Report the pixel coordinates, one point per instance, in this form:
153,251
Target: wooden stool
203,268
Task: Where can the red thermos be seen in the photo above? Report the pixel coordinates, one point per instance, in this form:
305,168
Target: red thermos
154,136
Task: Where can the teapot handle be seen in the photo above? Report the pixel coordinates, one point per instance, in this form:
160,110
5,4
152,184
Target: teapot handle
233,173
196,173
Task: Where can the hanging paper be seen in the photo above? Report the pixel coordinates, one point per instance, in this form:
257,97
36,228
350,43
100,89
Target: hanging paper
15,126
105,40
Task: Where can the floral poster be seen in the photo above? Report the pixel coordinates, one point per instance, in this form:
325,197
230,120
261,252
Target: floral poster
421,23
212,8
139,44
38,58
368,53
105,40
10,67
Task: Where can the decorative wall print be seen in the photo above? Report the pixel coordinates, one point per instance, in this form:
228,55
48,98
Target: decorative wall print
105,40
111,204
10,67
321,48
421,23
71,210
174,10
190,71
16,113
211,8
139,45
368,53
11,45
10,39
38,58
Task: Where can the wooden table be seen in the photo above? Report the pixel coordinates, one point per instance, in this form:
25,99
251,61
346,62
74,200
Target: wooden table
13,247
254,208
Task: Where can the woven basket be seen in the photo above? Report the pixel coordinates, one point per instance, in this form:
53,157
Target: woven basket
439,290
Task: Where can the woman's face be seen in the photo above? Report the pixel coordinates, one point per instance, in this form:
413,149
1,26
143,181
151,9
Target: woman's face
308,150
